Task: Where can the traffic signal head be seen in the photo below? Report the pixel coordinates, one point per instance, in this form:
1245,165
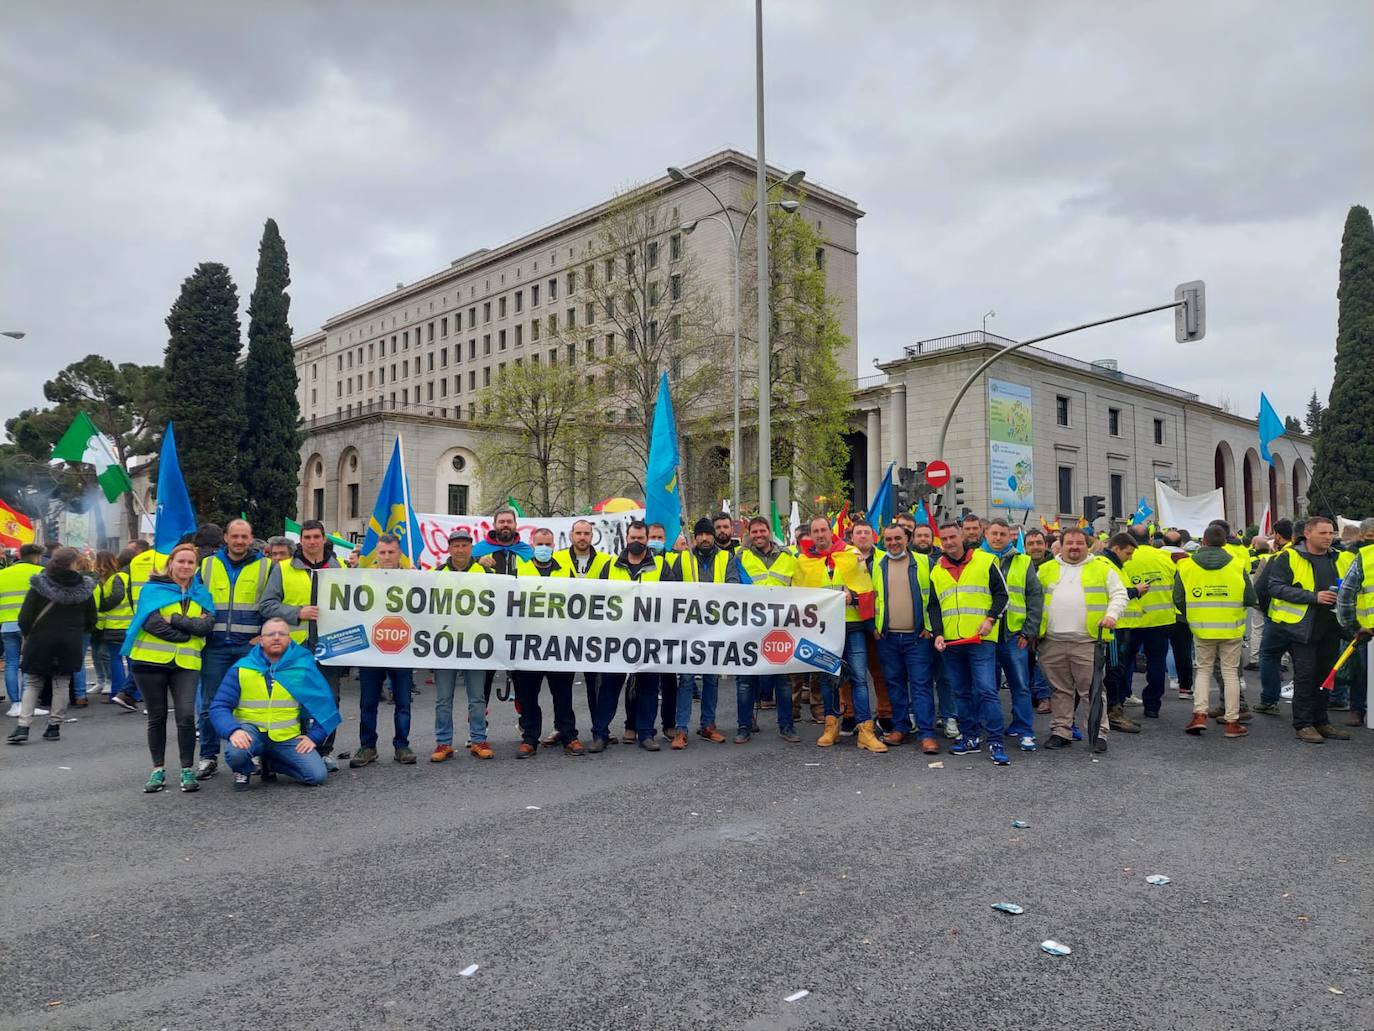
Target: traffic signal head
1093,507
958,482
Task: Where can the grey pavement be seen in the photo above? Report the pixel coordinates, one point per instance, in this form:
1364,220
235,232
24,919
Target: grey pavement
694,889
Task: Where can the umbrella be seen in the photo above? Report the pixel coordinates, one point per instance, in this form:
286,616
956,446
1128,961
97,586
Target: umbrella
613,505
1097,693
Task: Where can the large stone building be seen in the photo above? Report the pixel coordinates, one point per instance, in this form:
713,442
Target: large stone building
1090,428
413,361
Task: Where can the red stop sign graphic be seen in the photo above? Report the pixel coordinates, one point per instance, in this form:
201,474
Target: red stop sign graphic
776,646
937,473
391,634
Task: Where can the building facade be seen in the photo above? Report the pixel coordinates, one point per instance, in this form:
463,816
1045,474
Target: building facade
1088,429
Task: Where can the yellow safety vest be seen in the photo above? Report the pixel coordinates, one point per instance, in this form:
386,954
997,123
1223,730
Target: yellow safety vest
474,567
1015,576
185,654
922,618
1280,609
236,604
966,602
1149,566
14,587
649,574
1095,593
690,565
1344,560
1215,604
141,567
526,567
276,713
595,568
296,584
122,613
779,574
1364,601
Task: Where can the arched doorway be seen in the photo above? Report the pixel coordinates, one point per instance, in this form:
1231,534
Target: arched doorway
1251,486
1302,482
1280,502
1224,476
856,471
455,482
312,486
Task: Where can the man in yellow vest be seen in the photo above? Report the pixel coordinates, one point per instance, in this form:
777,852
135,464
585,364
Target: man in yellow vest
967,599
1149,617
864,539
371,679
705,562
904,641
1355,613
14,588
446,678
1019,627
762,562
1302,591
235,576
259,705
141,567
529,681
1273,642
1212,591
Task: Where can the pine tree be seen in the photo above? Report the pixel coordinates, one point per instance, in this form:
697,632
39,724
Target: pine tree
1291,424
1343,480
1314,414
272,438
205,390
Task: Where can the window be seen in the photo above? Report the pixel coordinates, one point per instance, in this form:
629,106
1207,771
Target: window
486,376
820,258
1116,502
430,337
393,372
610,382
339,357
472,380
502,367
472,349
1114,421
443,358
405,367
653,294
589,313
458,383
443,332
369,351
381,376
675,287
317,502
534,330
571,318
519,334
369,377
501,307
430,362
553,356
501,340
591,349
675,247
675,328
315,370
1066,489
629,263
338,388
651,254
486,343
534,359
572,354
610,269
429,391
1061,416
1159,431
393,343
472,319
519,301
352,501
457,499
553,323
350,359
405,395
534,296
610,344
553,289
405,340
472,413
312,395
572,283
486,312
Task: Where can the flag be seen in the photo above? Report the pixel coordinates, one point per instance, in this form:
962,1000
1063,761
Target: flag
1142,512
925,515
1020,541
662,496
777,523
880,508
1049,527
512,503
15,527
393,514
1082,523
841,523
175,518
1266,526
84,444
793,520
293,530
1270,427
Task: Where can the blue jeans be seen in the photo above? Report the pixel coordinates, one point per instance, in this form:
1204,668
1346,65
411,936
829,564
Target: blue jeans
215,660
281,756
445,685
79,677
748,687
948,703
710,693
1039,685
372,679
603,697
109,663
1013,660
908,667
972,673
856,669
1154,640
13,685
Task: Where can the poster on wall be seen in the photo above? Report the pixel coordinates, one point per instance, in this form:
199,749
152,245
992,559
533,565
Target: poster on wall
1011,469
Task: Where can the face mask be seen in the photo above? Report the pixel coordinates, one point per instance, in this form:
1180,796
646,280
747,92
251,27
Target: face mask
636,548
543,552
657,547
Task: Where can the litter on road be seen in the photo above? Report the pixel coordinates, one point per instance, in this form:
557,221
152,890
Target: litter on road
1335,991
1020,824
1157,879
468,971
535,808
1054,948
797,995
936,765
1008,907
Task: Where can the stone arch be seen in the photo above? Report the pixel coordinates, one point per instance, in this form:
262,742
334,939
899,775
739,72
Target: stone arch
1302,483
455,482
313,488
1224,476
1278,489
1252,492
351,514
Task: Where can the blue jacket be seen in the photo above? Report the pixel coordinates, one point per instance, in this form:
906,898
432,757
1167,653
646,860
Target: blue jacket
296,669
918,600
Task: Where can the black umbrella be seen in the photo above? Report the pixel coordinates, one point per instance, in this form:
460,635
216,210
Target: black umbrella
1097,693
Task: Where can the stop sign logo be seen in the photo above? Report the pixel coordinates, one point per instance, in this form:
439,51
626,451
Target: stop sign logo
776,646
391,634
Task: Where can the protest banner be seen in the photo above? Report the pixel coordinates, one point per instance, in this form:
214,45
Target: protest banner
414,619
608,531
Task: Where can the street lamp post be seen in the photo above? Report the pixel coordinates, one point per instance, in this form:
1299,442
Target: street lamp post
737,238
14,334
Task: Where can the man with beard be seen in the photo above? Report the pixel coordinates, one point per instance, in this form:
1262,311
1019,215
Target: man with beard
704,562
500,551
725,532
762,563
636,563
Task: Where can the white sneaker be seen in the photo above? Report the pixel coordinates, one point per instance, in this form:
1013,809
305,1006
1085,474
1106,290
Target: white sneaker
40,712
1286,691
14,710
1132,702
952,728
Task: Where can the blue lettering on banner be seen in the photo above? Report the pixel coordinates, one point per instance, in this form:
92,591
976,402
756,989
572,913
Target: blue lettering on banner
813,654
342,642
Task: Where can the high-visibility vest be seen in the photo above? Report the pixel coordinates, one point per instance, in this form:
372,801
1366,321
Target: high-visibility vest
526,567
1241,554
119,615
1149,566
474,567
14,587
1364,601
1215,604
296,586
1344,560
236,604
921,619
1015,576
966,602
277,713
692,572
849,571
600,560
649,574
1095,593
779,574
141,567
1280,609
185,654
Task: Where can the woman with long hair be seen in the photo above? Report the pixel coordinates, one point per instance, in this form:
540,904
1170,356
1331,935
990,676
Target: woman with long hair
115,608
174,616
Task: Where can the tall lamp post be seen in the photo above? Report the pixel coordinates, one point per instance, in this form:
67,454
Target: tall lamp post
14,334
737,237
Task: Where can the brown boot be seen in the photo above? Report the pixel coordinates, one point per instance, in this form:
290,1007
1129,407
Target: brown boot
1332,731
1234,729
1310,736
831,733
863,733
1120,722
679,740
1197,724
711,734
1355,719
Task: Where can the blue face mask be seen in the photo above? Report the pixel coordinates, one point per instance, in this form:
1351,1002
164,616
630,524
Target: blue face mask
543,552
656,547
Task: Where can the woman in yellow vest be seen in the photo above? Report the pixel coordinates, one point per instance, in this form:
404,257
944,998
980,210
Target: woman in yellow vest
115,608
174,616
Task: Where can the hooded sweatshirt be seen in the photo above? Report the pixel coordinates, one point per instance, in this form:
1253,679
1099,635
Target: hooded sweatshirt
1212,559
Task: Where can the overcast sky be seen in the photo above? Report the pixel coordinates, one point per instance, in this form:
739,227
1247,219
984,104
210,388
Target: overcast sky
1054,161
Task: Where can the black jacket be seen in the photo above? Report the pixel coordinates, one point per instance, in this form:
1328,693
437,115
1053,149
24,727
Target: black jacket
53,635
1320,619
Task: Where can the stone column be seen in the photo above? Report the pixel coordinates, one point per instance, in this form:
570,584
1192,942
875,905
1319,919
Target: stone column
873,433
899,452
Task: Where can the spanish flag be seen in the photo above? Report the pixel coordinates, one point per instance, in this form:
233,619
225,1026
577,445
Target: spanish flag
15,527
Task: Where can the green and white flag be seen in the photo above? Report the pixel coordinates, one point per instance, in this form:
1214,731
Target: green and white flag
85,444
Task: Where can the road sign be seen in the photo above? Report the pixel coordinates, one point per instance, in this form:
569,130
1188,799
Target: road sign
776,646
937,474
390,634
1190,317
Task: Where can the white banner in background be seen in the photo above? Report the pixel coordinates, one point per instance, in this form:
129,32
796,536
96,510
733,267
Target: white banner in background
608,531
1191,512
409,618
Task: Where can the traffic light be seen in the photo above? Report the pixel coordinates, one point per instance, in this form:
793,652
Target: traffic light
1190,317
903,500
958,482
1093,507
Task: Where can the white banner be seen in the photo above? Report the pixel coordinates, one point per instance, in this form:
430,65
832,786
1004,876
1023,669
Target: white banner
409,618
1191,512
608,531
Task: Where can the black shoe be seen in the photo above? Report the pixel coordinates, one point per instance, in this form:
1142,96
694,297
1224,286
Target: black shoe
598,745
18,736
650,745
53,733
847,726
1055,741
205,769
790,736
742,738
1101,746
1151,715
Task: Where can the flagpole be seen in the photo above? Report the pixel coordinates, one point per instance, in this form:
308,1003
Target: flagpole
405,496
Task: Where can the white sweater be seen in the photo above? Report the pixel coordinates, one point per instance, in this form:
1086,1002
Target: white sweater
1067,609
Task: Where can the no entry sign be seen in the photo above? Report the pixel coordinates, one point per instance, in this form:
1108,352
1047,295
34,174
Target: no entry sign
937,474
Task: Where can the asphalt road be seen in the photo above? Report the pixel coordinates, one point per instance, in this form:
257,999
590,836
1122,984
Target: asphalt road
695,889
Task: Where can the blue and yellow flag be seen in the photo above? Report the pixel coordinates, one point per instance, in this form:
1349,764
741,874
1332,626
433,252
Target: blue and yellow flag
393,514
662,493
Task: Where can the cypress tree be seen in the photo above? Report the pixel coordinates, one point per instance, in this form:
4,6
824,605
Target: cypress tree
1343,480
272,437
205,390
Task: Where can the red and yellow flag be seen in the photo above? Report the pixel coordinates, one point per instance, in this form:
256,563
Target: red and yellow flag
15,527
